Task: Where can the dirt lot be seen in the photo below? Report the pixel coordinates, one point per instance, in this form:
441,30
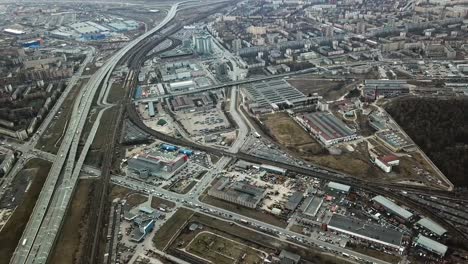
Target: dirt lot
256,214
135,199
376,254
219,249
70,242
12,231
289,134
167,231
156,202
50,141
330,90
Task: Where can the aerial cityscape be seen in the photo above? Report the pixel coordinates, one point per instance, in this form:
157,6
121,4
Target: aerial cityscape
233,131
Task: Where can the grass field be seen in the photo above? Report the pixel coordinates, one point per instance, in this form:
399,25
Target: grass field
72,238
51,139
290,134
12,231
222,250
94,157
164,235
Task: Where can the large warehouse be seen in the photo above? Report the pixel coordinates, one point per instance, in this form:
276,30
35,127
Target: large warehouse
266,97
431,245
431,226
364,230
327,128
374,89
392,207
157,164
237,192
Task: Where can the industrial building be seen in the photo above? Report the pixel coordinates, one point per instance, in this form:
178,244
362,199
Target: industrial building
339,187
275,95
151,111
431,226
199,102
394,140
157,164
294,201
273,169
366,231
431,245
310,208
374,89
182,85
237,192
387,162
327,128
392,207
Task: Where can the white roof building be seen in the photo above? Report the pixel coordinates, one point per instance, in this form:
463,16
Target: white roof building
431,245
393,207
431,226
339,186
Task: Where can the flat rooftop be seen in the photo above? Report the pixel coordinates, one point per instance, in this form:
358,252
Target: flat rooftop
365,230
329,126
393,207
311,205
273,92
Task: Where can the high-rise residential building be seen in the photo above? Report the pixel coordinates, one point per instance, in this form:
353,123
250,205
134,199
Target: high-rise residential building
203,43
236,44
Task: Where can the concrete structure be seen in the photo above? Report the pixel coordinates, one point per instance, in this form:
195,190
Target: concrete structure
366,231
392,207
237,192
432,226
268,96
182,85
431,245
327,128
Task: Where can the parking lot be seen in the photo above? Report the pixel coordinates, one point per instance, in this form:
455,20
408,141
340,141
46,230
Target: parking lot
202,123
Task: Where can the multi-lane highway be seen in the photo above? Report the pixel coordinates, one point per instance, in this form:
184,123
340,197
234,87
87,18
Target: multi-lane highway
41,231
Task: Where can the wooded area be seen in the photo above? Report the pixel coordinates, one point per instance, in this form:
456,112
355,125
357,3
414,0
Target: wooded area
440,128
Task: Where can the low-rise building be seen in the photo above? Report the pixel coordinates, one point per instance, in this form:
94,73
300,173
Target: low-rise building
237,192
392,207
366,231
339,187
431,245
432,226
387,162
